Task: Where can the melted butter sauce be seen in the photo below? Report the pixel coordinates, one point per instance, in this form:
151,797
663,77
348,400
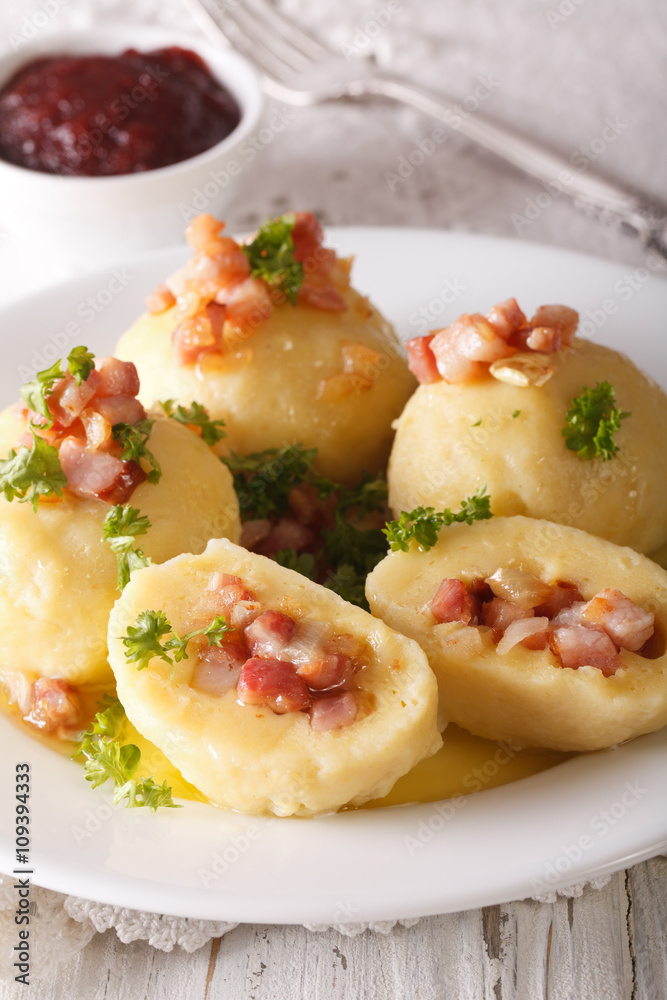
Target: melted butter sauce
464,764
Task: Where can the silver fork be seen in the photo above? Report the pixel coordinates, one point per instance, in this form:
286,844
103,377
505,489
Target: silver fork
299,70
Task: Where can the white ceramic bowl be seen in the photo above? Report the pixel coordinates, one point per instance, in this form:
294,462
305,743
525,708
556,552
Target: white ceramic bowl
107,218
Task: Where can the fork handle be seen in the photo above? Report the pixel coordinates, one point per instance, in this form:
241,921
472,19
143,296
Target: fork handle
589,191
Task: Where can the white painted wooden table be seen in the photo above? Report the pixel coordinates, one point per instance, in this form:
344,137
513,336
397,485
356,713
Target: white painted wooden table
565,71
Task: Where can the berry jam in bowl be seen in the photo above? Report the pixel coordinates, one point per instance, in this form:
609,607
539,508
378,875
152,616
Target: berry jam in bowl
111,140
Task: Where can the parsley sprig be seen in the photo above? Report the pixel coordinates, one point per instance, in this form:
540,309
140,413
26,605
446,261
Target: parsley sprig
30,473
423,524
132,439
196,415
80,363
108,759
121,526
143,639
263,480
271,256
592,420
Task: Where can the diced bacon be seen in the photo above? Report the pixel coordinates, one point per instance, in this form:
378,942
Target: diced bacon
208,275
518,586
120,409
270,633
253,532
321,295
203,234
274,684
568,616
55,704
333,713
580,646
192,338
97,473
564,596
544,338
421,360
561,318
326,671
117,378
451,364
248,304
625,622
216,315
309,508
307,236
476,339
68,400
224,600
499,614
98,430
453,603
219,669
525,631
159,300
220,580
506,318
480,589
360,360
286,534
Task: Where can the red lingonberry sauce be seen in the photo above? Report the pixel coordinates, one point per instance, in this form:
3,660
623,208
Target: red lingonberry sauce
104,115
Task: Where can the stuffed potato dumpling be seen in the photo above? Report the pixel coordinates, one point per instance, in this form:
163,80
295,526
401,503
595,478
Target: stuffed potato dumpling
538,633
307,704
58,579
499,423
286,355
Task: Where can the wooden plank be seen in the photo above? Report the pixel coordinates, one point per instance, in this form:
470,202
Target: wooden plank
580,949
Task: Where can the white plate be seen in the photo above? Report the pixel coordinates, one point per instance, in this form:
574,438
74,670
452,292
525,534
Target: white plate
591,815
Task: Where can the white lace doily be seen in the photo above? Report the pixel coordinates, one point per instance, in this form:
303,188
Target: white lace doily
64,925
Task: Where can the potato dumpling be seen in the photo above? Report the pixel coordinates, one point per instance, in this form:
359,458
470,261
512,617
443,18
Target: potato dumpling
452,439
246,756
58,576
524,695
327,372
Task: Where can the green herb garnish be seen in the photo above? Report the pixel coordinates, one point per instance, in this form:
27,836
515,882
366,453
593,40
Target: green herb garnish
196,415
132,438
302,562
263,480
515,414
80,363
121,526
32,472
142,641
592,421
423,524
108,759
271,256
